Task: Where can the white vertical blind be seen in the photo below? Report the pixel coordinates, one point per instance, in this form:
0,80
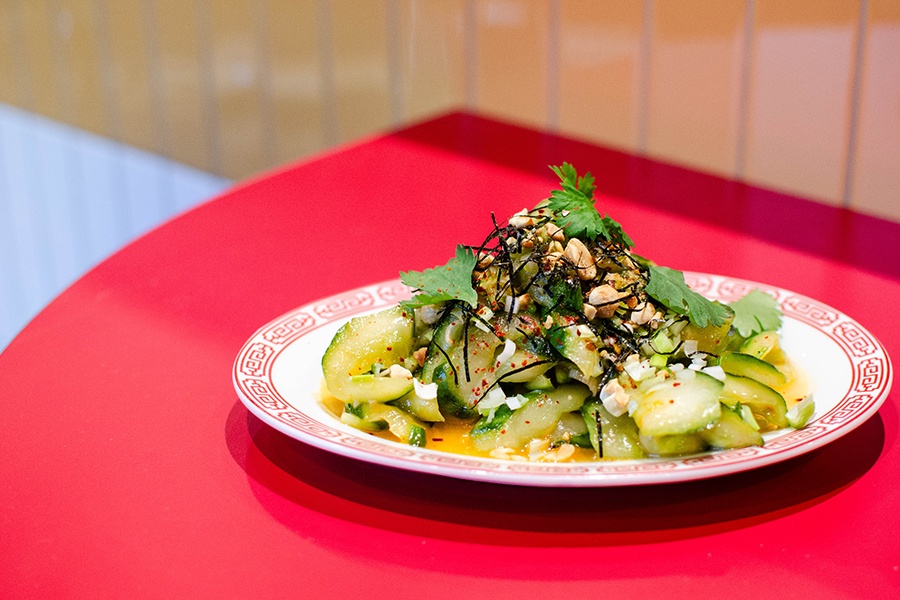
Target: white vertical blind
68,199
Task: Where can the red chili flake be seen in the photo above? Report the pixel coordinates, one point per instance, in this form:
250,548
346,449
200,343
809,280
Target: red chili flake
502,431
528,422
437,439
676,384
671,401
389,348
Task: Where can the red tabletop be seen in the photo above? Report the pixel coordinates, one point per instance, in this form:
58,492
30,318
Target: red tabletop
131,470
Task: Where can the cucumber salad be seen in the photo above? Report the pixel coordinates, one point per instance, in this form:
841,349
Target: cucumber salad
551,340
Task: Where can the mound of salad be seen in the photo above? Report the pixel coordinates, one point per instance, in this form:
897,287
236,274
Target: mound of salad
552,340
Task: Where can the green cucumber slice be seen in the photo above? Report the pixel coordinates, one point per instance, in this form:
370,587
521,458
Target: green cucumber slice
407,429
421,408
384,337
462,360
576,342
537,418
800,414
712,339
764,345
682,404
767,405
747,365
571,429
730,431
672,445
614,438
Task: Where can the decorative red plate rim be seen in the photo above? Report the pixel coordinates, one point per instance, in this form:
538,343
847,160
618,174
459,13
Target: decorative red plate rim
299,415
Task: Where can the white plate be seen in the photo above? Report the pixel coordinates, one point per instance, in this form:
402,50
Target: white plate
277,375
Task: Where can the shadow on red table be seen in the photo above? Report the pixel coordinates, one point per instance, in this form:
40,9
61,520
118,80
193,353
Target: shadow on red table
297,483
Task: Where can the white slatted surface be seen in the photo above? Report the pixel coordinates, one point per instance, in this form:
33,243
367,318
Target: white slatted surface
68,199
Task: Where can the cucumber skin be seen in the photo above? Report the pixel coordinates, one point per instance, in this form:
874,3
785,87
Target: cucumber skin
747,365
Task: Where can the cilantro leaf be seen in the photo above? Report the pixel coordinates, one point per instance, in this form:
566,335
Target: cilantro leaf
756,312
576,213
452,281
667,286
616,234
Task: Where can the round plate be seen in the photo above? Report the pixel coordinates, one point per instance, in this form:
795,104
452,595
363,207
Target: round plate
278,375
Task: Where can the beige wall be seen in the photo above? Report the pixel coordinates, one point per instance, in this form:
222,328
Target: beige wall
801,96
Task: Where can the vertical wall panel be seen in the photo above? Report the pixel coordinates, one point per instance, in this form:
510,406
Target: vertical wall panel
237,86
799,104
131,64
78,64
432,49
694,95
10,53
876,176
39,29
237,79
295,79
183,100
600,48
362,79
512,67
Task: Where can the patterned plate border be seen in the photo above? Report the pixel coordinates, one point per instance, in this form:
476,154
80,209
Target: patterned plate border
300,416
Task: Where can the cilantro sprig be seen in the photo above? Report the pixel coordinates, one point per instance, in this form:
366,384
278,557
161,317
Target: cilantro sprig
756,312
577,215
668,286
452,281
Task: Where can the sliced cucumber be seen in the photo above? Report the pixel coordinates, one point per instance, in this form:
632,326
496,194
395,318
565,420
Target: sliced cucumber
577,342
463,361
711,339
767,405
571,429
523,367
379,417
447,333
421,408
612,437
360,417
535,419
747,365
448,396
407,429
385,337
800,414
540,382
459,368
730,431
678,405
672,445
765,346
